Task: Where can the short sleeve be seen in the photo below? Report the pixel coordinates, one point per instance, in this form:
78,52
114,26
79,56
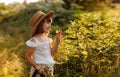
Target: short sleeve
50,40
31,43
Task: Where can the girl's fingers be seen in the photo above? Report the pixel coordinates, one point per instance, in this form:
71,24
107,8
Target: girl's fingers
39,71
58,34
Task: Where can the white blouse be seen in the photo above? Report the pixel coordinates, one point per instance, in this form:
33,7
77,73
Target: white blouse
42,53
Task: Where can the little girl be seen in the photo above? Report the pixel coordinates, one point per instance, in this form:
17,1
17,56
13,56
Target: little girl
39,47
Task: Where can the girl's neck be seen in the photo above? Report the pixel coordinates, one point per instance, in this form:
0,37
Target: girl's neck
42,37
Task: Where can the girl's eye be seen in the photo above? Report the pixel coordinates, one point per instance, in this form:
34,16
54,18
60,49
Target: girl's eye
48,20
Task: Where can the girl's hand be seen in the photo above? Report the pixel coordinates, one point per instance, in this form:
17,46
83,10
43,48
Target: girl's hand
58,35
38,69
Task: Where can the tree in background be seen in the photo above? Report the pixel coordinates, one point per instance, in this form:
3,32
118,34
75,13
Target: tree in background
116,1
25,2
87,4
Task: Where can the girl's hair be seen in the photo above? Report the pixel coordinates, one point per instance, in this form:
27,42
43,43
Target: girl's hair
39,29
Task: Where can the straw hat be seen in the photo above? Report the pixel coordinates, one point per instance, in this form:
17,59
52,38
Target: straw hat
37,18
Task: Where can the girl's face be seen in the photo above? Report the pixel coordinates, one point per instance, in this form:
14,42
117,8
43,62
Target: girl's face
47,25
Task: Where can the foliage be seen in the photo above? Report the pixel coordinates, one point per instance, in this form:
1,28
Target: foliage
92,45
88,5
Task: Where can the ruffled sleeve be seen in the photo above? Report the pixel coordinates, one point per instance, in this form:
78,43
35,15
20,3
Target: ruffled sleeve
31,43
50,40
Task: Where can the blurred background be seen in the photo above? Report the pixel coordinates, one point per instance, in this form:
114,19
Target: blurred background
90,46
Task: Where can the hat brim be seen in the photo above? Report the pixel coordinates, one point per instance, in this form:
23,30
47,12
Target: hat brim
50,14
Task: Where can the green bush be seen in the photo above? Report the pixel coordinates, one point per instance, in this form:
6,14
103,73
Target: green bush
92,46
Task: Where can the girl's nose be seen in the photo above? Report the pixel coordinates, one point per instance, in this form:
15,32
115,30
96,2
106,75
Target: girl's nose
49,25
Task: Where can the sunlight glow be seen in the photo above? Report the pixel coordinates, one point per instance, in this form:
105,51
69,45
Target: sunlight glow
20,1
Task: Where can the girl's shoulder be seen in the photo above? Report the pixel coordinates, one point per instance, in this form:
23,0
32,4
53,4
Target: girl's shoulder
33,39
32,42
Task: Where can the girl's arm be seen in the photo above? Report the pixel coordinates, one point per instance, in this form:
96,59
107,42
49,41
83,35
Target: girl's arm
55,46
28,55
